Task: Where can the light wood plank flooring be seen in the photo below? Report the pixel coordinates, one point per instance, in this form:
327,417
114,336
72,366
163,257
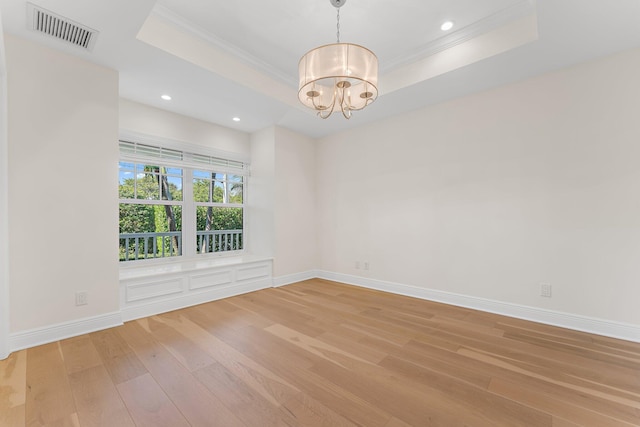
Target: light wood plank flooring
318,353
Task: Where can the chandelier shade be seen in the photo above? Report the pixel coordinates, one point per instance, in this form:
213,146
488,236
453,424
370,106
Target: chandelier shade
338,76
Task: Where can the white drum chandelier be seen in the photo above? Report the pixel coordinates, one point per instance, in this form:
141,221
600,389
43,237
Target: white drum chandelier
336,76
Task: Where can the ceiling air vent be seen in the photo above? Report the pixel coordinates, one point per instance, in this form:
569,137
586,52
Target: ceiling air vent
62,28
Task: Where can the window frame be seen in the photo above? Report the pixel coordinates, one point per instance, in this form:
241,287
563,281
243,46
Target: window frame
159,201
192,158
226,185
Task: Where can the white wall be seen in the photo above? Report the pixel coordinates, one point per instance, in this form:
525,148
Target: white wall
261,194
4,206
62,133
142,119
491,194
282,201
295,196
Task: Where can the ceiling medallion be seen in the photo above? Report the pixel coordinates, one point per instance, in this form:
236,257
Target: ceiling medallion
336,76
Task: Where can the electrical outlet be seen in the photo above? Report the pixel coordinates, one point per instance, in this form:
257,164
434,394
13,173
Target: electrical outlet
545,290
82,298
366,265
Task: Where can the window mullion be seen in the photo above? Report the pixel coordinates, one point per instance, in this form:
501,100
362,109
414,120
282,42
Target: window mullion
188,215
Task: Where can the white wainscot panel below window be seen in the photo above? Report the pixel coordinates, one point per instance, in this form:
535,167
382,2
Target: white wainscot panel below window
150,290
210,279
154,289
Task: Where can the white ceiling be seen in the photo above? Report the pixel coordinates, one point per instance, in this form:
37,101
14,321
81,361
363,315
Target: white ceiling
221,59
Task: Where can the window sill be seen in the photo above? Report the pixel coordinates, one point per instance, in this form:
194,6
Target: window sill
187,265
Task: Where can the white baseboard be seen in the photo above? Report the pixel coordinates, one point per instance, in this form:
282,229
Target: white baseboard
44,335
592,325
33,337
162,306
293,278
38,336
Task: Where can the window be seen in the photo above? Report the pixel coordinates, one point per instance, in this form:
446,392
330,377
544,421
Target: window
150,211
218,198
175,203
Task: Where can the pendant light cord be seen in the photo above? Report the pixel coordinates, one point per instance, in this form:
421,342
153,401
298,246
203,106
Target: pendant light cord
338,25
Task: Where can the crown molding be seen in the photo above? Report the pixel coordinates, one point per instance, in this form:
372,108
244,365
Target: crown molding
491,22
518,10
189,27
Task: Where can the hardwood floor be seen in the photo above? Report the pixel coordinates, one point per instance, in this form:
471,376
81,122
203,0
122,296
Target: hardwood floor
318,353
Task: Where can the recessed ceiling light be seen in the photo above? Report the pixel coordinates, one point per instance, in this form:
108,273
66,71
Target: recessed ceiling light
166,97
446,26
236,119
